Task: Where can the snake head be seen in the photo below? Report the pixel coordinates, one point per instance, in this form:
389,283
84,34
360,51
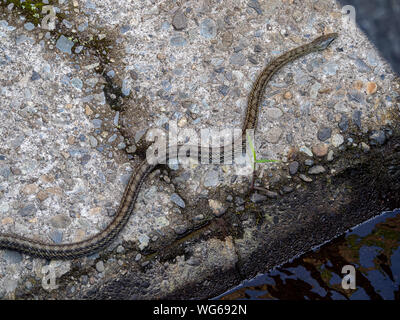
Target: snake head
323,42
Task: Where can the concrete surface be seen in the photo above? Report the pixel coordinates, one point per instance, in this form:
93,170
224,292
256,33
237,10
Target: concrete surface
76,100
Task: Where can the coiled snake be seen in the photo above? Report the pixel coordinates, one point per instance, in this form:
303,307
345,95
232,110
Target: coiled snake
103,238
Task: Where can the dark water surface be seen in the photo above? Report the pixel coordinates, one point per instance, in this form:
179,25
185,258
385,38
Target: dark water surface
373,248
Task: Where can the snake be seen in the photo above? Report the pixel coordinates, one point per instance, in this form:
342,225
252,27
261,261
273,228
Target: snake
99,241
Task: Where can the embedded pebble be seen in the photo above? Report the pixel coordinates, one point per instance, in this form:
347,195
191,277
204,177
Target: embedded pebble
273,135
256,198
64,44
357,118
29,26
330,156
217,207
175,198
306,151
211,179
324,133
320,150
100,266
179,20
60,221
378,138
293,167
305,178
208,28
316,170
337,140
273,113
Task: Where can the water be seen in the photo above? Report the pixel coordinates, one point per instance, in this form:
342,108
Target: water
372,248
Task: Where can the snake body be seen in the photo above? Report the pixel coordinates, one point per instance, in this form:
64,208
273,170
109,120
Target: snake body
100,240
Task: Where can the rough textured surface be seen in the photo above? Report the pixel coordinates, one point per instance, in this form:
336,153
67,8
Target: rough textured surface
76,102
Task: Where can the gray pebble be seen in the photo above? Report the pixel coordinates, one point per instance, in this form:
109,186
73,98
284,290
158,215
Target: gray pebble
64,44
378,138
179,21
357,118
56,236
97,123
344,123
100,266
178,41
224,89
324,134
362,66
293,167
309,162
211,179
60,221
35,75
256,198
28,210
175,198
255,5
208,28
238,59
12,256
317,170
29,26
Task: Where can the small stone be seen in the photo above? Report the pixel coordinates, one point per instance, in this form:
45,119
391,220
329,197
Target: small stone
175,198
211,179
287,189
60,221
120,249
179,21
64,44
56,236
316,170
88,111
344,123
273,135
217,207
12,256
35,75
138,257
29,26
161,56
77,83
366,148
378,137
42,195
309,162
100,266
293,167
357,118
337,140
320,150
30,189
224,89
208,28
305,178
238,59
287,95
324,134
274,113
178,41
28,210
255,5
330,156
371,88
306,151
271,194
256,198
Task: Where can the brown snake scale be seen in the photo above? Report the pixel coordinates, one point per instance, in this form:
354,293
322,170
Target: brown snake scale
103,238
